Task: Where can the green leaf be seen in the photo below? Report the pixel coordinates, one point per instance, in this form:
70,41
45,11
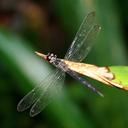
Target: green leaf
121,75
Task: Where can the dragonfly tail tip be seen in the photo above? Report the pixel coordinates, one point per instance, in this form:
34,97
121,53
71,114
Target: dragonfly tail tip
100,94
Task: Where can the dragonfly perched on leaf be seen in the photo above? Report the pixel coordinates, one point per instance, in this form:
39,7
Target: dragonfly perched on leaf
41,95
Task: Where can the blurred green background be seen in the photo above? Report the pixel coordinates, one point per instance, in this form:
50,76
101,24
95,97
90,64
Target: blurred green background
50,26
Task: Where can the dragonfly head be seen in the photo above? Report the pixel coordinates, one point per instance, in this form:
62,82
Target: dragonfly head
51,57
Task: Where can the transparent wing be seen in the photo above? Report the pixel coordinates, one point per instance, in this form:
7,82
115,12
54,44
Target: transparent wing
83,40
52,91
34,95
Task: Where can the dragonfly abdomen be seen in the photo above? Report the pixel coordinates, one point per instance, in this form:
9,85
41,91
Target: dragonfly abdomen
83,81
92,71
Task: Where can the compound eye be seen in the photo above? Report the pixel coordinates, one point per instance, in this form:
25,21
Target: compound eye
49,57
52,54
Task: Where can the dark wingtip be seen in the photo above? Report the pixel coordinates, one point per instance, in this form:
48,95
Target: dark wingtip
19,108
32,112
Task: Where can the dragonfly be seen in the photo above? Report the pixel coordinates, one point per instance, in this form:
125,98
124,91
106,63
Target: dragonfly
43,94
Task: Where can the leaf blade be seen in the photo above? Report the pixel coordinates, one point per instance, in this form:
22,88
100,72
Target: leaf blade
120,75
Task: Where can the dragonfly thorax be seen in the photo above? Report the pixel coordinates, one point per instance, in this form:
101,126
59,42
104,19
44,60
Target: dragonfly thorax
56,62
51,57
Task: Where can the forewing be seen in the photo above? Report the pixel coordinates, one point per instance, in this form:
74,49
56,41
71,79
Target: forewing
83,40
34,95
52,91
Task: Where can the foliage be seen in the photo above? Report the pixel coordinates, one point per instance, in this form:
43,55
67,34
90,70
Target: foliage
28,26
